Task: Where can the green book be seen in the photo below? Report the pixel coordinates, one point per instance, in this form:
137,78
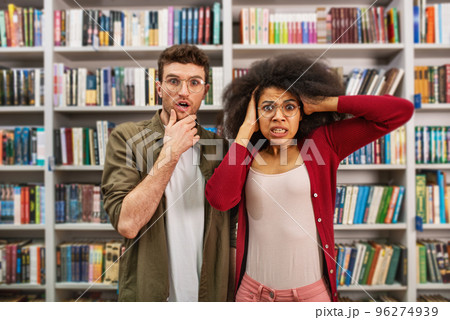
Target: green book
86,147
393,266
421,196
385,207
367,262
422,263
382,204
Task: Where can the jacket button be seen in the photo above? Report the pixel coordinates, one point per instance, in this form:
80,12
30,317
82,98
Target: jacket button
271,294
335,294
326,246
331,271
319,220
315,195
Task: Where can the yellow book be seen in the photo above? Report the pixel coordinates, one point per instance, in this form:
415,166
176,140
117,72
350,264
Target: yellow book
151,86
271,30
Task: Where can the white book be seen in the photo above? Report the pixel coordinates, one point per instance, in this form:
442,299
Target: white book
351,215
17,204
163,29
33,263
436,204
137,88
37,87
82,78
386,264
245,25
396,81
351,81
429,204
378,266
63,145
77,146
373,83
2,263
100,142
374,206
359,261
347,203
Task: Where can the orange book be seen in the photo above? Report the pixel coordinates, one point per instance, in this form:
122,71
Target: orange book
376,255
13,20
430,24
392,203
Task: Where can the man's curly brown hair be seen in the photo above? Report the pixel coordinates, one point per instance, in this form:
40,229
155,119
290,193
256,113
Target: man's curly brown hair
316,81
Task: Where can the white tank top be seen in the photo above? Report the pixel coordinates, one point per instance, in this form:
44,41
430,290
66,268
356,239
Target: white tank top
283,247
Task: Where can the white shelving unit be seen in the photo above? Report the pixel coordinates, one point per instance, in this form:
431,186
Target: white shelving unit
230,55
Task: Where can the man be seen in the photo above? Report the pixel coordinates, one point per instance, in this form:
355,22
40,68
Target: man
178,248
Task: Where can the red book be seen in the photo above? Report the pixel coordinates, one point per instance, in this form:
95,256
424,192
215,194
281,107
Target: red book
8,29
57,28
201,25
207,25
69,146
22,205
27,204
13,263
8,263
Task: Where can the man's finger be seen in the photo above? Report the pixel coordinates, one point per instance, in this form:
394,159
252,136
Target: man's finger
172,119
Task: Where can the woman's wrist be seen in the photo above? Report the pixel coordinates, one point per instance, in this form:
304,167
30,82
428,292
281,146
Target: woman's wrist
245,133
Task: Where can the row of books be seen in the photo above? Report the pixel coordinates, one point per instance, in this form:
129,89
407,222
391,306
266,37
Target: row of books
432,298
433,261
20,27
389,149
164,27
432,196
79,203
93,262
370,263
380,298
373,81
432,83
358,204
82,146
118,86
22,146
431,22
22,204
21,87
340,25
432,144
22,262
21,297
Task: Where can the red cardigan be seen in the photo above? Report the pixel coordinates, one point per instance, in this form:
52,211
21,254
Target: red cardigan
374,116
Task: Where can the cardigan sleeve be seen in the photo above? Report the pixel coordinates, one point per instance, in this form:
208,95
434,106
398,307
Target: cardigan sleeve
224,188
374,116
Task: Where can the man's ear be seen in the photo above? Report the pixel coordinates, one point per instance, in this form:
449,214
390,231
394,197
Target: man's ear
159,88
207,86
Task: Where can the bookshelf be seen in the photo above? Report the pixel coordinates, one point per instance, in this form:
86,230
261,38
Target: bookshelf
229,54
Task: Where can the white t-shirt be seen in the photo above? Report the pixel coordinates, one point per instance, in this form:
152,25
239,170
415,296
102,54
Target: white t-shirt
184,218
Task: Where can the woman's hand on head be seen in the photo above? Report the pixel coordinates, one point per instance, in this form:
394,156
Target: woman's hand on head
328,104
251,117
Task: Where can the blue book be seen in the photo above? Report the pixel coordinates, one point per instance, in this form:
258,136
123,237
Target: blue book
342,204
351,266
362,210
365,215
337,203
441,184
122,28
358,203
416,24
369,158
176,26
216,23
18,145
340,266
190,27
195,24
387,148
357,156
439,22
362,155
359,25
304,31
26,150
398,205
69,262
183,21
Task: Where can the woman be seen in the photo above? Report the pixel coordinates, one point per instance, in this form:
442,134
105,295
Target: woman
285,184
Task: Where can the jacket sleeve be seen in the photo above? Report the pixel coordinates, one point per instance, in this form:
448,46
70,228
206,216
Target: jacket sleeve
224,188
374,116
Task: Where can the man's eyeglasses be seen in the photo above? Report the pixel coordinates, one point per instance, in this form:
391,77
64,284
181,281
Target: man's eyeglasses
194,85
289,109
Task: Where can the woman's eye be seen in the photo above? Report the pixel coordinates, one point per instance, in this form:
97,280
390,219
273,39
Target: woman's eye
290,107
267,108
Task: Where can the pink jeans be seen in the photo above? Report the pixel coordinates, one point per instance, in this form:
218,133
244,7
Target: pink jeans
251,290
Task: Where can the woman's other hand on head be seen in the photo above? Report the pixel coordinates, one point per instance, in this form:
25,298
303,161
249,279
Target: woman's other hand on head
327,104
251,117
